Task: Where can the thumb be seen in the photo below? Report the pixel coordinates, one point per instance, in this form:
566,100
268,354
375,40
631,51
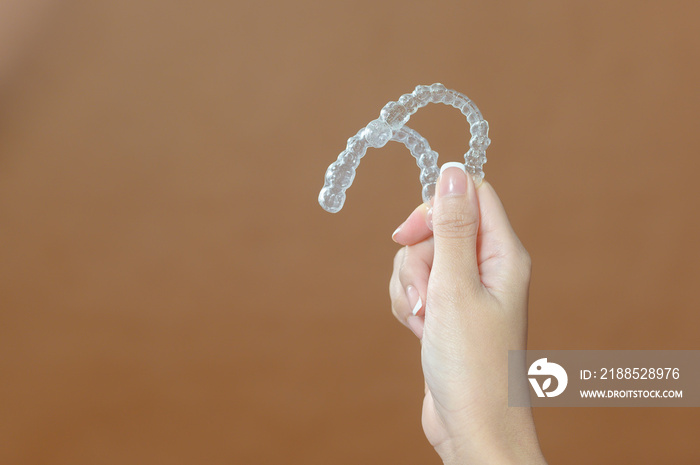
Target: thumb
455,228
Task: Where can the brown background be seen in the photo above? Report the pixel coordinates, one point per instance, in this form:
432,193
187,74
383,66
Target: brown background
171,292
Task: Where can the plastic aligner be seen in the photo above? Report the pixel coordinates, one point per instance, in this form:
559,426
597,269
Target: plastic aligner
391,125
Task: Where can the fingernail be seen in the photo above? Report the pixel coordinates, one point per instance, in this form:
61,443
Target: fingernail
452,181
414,299
429,218
393,235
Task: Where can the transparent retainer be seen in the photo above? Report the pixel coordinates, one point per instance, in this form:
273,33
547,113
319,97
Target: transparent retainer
391,125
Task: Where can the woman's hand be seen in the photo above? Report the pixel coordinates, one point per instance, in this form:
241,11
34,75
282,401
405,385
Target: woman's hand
463,289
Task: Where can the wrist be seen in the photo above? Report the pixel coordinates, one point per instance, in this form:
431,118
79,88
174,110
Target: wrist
517,446
531,456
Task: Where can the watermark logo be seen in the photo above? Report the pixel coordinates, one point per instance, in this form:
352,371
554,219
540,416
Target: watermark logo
542,368
604,378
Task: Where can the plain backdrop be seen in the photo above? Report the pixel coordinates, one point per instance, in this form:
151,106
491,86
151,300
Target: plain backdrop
171,292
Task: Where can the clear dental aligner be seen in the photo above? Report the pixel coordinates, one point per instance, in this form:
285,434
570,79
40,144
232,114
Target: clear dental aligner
391,125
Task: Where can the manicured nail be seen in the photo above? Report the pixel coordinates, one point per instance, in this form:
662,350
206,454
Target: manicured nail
429,218
393,235
414,299
452,181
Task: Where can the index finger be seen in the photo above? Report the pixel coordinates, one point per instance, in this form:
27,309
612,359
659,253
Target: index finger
415,228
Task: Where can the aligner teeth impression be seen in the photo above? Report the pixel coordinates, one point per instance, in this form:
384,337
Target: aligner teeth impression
391,125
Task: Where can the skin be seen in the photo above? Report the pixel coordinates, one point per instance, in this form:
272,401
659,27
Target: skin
472,274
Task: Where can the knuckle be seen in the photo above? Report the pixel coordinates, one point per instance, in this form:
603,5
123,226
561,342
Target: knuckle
395,311
400,266
405,274
457,226
523,263
526,260
393,289
399,257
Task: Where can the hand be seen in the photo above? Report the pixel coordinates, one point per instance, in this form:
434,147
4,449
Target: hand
463,289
